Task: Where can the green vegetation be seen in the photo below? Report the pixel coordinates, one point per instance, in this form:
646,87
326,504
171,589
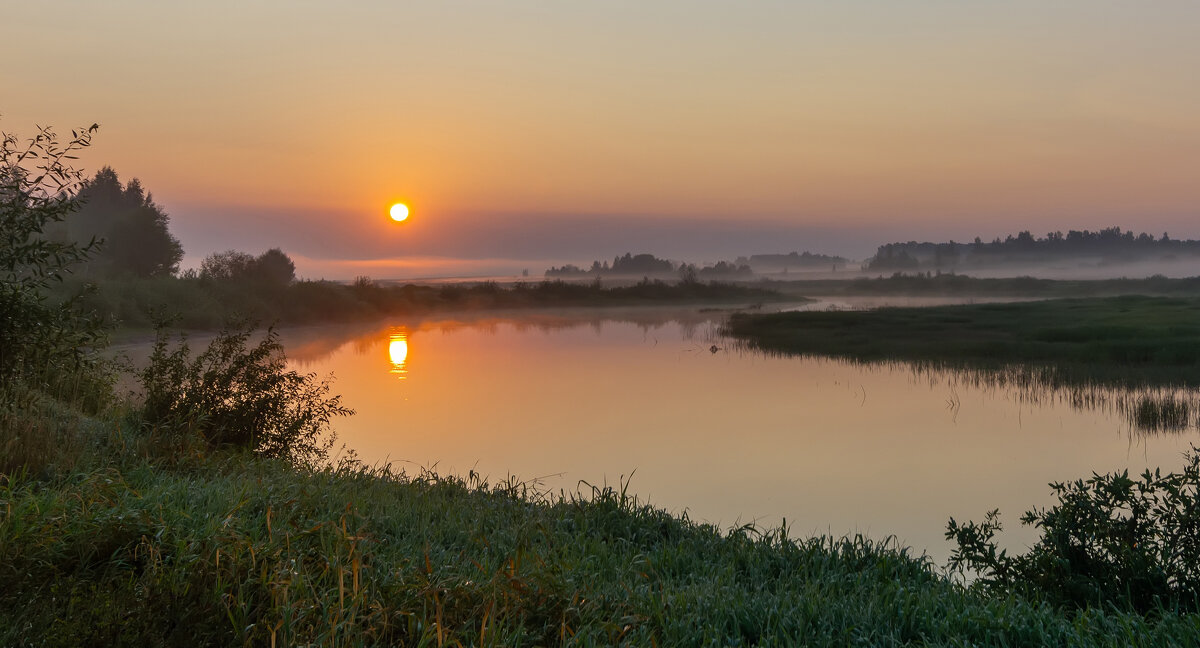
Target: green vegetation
1110,541
132,228
1138,355
47,347
1130,341
957,285
234,395
207,302
236,550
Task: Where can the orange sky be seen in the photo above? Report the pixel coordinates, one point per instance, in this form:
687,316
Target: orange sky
842,124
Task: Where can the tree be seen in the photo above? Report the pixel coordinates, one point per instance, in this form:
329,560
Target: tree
274,267
227,265
133,228
271,268
38,190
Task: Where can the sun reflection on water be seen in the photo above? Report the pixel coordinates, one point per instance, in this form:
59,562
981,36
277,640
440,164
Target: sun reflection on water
398,354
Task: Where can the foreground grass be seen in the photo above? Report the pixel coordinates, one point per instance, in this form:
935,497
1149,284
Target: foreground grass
1132,340
232,549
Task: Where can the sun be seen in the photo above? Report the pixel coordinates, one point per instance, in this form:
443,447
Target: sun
399,212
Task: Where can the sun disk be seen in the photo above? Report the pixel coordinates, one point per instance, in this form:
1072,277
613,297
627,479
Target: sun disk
399,211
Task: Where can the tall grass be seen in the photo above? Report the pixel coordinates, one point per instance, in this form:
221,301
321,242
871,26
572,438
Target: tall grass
250,551
1137,355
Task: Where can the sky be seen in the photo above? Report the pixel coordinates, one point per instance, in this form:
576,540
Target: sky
528,133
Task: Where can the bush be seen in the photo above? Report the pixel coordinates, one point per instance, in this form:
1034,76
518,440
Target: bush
1110,540
45,347
272,268
237,395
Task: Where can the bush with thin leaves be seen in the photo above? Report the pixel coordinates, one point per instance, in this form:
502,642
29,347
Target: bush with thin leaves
45,347
1110,540
235,394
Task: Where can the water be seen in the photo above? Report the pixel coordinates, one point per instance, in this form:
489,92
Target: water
730,437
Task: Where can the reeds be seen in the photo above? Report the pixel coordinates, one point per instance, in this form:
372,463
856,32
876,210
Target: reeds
1138,356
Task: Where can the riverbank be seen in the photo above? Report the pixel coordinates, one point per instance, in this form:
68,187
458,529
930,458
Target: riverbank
198,304
129,548
950,284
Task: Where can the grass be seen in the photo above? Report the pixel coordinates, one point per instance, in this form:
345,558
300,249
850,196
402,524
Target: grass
233,549
950,284
1138,355
1130,340
209,305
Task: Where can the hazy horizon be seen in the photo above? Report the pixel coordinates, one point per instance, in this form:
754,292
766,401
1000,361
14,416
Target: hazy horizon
531,132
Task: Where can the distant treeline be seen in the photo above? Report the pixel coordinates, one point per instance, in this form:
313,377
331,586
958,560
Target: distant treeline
1110,245
648,265
207,302
784,262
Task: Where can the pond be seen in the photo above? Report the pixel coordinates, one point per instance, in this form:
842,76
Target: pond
657,399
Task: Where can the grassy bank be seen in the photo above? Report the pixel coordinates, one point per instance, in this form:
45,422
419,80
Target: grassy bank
949,284
1133,340
230,549
209,304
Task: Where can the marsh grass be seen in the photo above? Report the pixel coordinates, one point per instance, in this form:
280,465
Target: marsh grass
949,283
49,420
1139,356
1147,410
244,550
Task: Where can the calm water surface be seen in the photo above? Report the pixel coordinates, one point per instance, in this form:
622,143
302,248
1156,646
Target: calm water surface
730,437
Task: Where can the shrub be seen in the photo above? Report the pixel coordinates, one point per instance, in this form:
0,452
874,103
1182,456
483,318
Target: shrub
271,268
237,395
1110,540
44,346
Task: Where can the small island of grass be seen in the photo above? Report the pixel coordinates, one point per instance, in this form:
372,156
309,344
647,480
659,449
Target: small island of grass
1128,340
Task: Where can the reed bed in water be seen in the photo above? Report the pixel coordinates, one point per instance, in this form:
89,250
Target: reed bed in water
1139,356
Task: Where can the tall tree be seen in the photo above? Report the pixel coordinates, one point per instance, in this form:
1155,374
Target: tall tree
133,228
